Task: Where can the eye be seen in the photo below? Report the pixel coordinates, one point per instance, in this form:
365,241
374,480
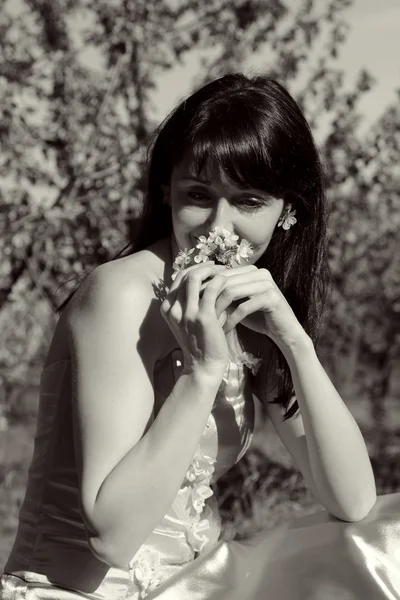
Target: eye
250,205
197,195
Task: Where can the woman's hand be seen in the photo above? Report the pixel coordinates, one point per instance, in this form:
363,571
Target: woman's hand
189,309
251,297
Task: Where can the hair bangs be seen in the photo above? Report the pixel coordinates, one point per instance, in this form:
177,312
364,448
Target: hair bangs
237,148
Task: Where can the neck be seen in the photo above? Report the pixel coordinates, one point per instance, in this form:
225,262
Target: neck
173,246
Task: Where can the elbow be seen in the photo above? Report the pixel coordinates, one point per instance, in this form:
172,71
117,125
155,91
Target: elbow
361,513
103,545
112,546
358,511
107,554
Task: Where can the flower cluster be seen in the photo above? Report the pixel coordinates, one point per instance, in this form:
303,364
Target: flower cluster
147,565
201,467
197,532
251,361
221,246
147,572
194,495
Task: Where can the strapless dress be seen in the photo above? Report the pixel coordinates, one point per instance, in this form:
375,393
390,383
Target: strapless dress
51,557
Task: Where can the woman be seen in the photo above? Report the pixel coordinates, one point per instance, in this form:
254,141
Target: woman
153,384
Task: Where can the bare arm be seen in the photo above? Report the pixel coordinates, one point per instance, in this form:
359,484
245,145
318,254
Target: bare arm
324,439
128,480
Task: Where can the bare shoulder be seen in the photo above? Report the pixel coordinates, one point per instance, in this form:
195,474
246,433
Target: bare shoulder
131,275
111,283
135,280
129,288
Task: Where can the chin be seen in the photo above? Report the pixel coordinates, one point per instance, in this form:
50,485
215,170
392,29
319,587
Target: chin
256,257
192,241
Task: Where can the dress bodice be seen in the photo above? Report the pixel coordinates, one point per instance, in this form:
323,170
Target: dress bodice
51,545
230,426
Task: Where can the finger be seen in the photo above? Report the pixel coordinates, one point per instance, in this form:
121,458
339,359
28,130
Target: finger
236,277
177,307
178,302
247,275
168,302
231,272
182,274
237,273
194,281
171,293
222,319
243,269
211,293
233,293
246,308
243,279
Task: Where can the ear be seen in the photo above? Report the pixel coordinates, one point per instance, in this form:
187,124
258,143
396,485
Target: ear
285,209
166,194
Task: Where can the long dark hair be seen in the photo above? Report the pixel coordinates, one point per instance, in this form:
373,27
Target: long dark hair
254,130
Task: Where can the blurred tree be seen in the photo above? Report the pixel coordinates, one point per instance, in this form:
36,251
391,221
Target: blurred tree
363,321
73,141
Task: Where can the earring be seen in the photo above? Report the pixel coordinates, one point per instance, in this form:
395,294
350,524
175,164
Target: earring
287,220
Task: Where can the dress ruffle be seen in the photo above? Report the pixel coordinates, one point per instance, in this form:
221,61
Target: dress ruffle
239,356
147,565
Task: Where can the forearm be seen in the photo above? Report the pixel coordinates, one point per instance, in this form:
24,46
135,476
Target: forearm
139,491
338,457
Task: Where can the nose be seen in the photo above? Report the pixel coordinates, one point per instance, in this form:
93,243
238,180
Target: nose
221,216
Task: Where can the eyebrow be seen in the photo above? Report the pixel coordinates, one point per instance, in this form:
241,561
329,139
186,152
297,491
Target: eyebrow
198,179
209,183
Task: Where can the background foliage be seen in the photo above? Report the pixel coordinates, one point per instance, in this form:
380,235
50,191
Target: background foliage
73,144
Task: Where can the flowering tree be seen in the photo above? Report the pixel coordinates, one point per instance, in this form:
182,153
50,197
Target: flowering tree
363,320
73,142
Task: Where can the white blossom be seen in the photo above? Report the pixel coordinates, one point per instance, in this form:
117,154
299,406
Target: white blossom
221,246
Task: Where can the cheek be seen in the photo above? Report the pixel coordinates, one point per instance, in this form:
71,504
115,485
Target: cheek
187,217
259,229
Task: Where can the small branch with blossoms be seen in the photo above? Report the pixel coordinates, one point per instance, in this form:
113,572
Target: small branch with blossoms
221,246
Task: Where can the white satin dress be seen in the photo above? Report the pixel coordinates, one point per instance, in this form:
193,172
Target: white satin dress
311,558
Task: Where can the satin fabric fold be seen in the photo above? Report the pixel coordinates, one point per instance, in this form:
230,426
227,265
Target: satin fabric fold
316,557
312,558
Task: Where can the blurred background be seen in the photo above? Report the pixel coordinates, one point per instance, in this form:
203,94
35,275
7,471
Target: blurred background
83,83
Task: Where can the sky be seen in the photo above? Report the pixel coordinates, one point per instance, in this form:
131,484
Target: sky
373,43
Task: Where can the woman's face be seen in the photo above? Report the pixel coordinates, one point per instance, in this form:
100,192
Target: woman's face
200,203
